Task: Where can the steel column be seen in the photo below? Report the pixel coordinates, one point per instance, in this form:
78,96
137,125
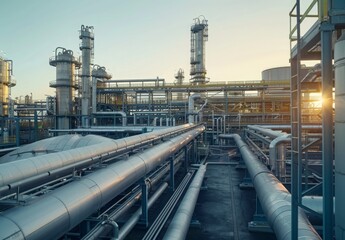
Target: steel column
327,128
296,149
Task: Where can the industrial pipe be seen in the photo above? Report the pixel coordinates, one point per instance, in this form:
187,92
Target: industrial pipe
273,196
64,208
129,225
154,122
191,112
304,127
339,63
277,150
17,171
268,132
179,225
113,216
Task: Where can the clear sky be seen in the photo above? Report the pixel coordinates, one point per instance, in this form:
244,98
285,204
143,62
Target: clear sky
144,38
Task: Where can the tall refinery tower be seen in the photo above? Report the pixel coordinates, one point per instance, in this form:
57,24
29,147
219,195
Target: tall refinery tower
65,85
86,47
199,35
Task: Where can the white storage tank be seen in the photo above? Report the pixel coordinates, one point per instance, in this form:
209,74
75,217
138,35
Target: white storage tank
276,74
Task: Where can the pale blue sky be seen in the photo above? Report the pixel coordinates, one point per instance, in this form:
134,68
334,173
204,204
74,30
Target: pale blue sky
144,39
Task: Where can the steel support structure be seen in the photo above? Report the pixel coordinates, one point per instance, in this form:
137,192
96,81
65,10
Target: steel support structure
326,28
327,128
296,145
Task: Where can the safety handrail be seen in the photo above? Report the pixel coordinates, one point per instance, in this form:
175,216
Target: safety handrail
303,17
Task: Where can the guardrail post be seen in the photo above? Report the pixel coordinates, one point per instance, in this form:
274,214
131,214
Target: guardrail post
144,220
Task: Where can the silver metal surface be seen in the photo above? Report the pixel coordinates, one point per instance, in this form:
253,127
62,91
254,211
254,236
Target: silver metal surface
268,132
61,210
277,149
52,145
65,85
5,82
99,77
179,225
12,173
276,74
339,63
191,112
273,196
199,35
86,47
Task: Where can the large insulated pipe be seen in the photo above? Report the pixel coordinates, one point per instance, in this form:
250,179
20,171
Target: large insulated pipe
273,196
13,174
64,208
179,225
339,63
191,113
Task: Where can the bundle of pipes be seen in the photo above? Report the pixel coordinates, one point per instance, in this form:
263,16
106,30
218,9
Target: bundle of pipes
59,211
26,172
273,196
179,225
277,147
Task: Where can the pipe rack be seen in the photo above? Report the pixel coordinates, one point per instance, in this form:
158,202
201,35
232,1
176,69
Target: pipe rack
62,209
30,170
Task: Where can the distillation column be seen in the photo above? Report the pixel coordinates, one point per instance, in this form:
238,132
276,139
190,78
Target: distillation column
199,35
6,83
65,85
179,81
86,47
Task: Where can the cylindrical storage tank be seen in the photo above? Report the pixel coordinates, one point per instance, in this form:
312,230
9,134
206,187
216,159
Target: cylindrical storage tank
65,85
339,63
276,74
